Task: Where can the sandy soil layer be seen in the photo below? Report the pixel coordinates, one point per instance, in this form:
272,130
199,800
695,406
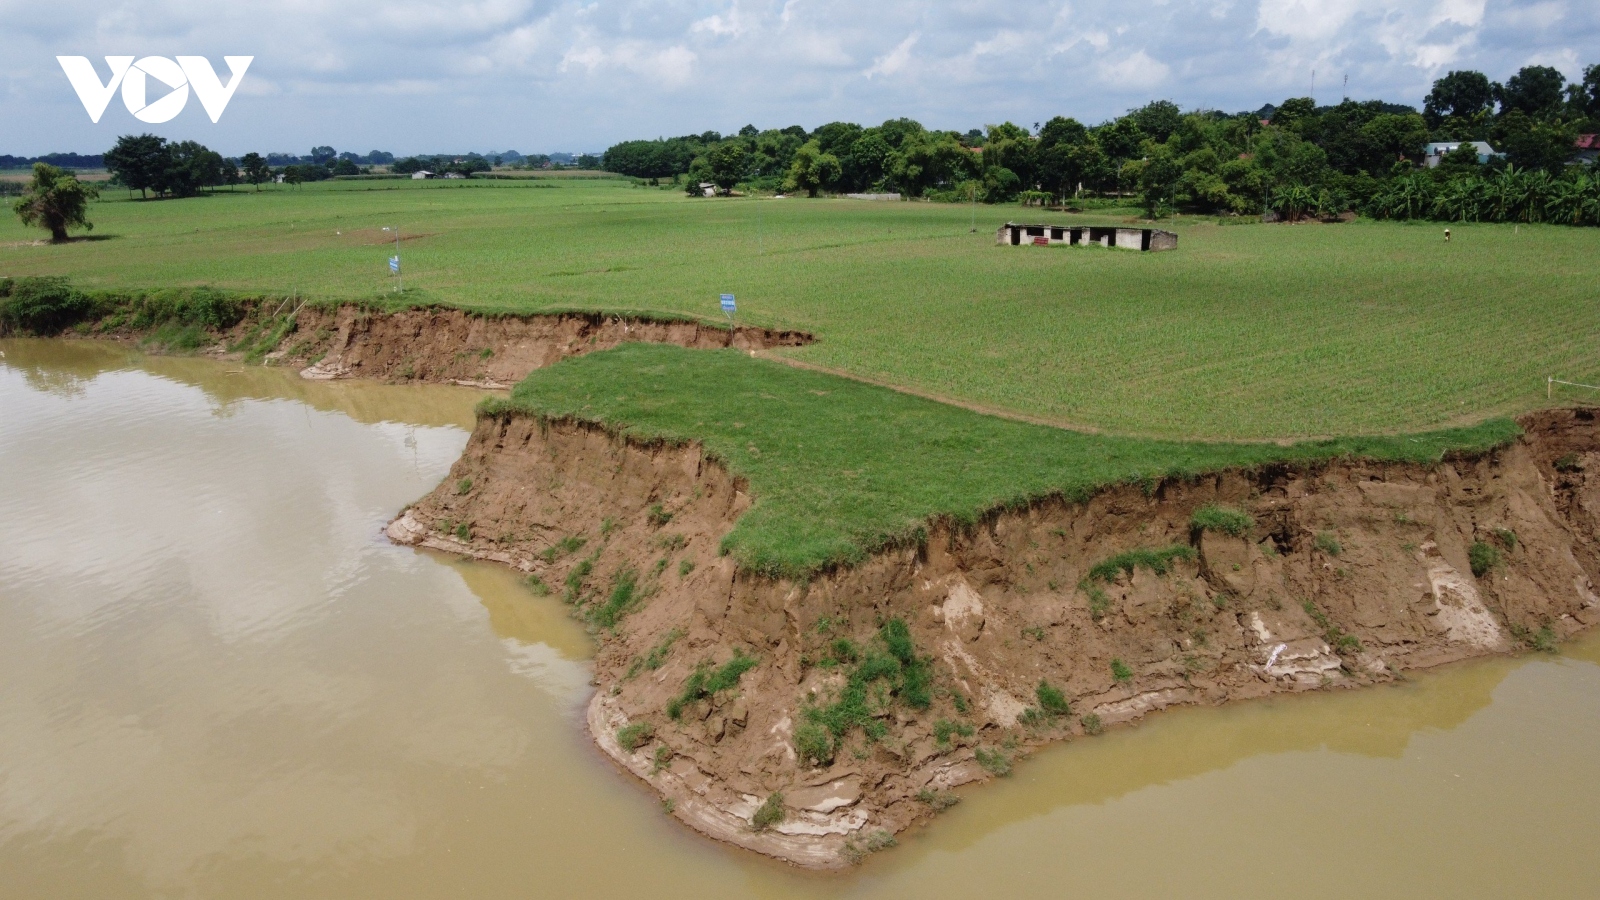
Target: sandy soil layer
1353,573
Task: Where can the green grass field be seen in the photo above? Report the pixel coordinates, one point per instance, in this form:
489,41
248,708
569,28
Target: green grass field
1249,332
839,468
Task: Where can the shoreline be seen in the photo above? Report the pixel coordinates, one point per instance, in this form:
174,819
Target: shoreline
969,595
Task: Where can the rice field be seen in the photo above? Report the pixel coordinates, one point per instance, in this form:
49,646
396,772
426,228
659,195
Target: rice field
1245,332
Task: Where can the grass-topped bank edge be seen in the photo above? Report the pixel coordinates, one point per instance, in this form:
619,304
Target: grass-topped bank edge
49,305
839,469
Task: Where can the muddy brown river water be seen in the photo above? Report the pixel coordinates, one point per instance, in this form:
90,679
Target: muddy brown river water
218,679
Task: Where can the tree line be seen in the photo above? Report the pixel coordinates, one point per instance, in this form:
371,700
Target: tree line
151,164
1296,158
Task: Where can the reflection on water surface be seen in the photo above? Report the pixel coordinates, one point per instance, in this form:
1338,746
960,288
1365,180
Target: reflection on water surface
220,680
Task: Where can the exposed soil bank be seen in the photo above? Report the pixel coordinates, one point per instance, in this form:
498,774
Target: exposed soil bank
448,346
1353,573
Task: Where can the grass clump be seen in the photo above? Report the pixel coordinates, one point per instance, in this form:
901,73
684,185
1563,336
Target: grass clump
463,533
570,544
684,568
636,735
845,650
1120,672
1222,519
938,801
657,657
1507,538
813,744
662,758
1099,603
625,597
537,585
174,337
844,468
856,850
706,681
1543,640
463,486
1158,560
573,592
658,516
770,813
1091,724
896,668
1337,638
944,730
995,762
1327,543
1051,700
1482,558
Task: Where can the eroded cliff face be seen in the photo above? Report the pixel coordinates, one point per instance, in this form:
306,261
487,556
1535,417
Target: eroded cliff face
447,346
450,345
1353,573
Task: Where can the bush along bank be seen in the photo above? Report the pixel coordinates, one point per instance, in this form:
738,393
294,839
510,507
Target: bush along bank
857,607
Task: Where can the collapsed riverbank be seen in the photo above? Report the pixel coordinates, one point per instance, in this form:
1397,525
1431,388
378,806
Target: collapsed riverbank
1350,573
780,708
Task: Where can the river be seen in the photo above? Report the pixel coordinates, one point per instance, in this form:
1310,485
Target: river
218,679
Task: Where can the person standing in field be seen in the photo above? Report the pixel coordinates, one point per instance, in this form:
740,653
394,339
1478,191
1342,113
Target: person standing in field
1447,235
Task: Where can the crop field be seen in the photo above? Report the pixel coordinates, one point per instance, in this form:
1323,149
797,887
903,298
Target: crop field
1245,332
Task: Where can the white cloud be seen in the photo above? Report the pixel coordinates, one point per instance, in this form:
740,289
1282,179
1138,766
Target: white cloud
532,73
721,26
1315,20
669,67
1138,70
895,60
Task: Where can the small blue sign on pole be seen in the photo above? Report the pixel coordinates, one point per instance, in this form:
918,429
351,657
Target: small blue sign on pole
728,306
394,264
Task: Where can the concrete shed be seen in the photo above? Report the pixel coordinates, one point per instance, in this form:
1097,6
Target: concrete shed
1143,239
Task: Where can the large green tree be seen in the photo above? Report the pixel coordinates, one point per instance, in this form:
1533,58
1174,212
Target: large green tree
55,200
256,170
1459,94
728,163
1535,91
139,162
812,170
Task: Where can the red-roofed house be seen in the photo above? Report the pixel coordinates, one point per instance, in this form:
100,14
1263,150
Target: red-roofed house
1586,148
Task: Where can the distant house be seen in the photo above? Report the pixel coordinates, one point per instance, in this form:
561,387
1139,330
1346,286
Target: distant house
1434,153
454,175
1586,149
1148,239
421,174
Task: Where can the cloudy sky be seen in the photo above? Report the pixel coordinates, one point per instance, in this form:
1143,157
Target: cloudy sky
545,75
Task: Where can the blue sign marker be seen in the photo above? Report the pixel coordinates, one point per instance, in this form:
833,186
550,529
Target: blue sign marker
394,264
728,305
